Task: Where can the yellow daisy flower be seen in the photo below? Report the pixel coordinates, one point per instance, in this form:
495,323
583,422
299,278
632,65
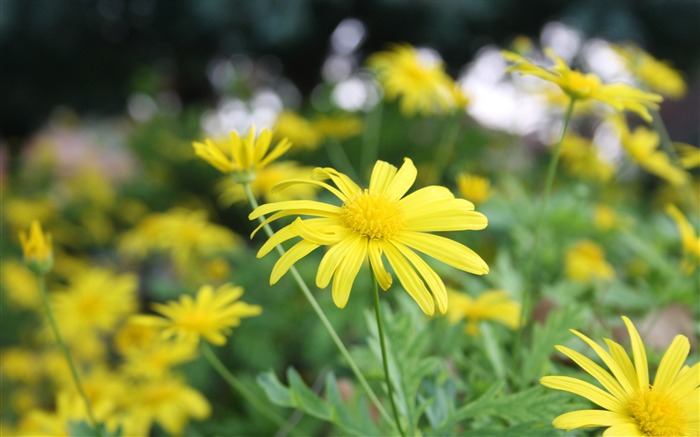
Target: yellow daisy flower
581,158
241,157
37,249
420,82
657,75
19,285
585,262
211,314
688,155
631,405
493,305
587,86
474,188
689,240
374,222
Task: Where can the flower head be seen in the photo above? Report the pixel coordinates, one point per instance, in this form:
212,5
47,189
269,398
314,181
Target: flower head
631,405
375,222
211,314
581,158
587,86
474,188
585,262
37,249
689,239
241,157
657,75
418,78
489,305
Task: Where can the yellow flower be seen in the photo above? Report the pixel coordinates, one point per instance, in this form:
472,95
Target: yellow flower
419,81
585,262
241,157
18,212
605,218
642,146
631,405
493,305
300,131
19,364
20,285
374,222
474,188
211,314
657,75
587,86
38,253
339,127
266,179
688,155
581,158
689,240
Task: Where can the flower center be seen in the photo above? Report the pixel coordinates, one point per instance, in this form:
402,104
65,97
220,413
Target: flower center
372,216
657,414
581,85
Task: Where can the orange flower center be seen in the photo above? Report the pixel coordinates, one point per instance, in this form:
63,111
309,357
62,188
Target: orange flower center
372,216
657,414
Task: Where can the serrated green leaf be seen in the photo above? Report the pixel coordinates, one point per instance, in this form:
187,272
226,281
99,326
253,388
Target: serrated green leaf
305,398
274,389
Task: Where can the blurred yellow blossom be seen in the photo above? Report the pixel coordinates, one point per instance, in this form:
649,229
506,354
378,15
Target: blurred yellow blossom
605,218
17,212
339,127
690,242
417,79
19,285
210,314
19,364
493,305
37,249
581,86
292,127
585,262
262,186
473,187
580,157
688,155
241,157
657,75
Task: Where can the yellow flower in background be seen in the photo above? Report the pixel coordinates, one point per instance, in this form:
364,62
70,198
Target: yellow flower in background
493,305
374,222
241,157
20,364
17,212
605,218
295,128
657,75
37,249
585,262
620,96
642,145
631,406
210,314
473,188
19,285
265,180
339,127
580,157
419,81
689,240
688,155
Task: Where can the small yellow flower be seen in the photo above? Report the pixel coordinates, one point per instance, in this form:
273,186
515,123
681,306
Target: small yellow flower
375,222
339,127
241,157
642,146
631,406
581,86
419,81
689,240
493,305
688,155
585,262
20,285
657,75
211,314
581,158
295,128
605,218
474,188
38,252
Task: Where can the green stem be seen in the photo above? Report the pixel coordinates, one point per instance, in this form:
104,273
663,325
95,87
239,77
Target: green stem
339,159
530,290
322,316
370,141
442,156
237,385
64,348
385,361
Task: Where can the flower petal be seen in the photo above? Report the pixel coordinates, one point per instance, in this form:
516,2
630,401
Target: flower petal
301,207
402,181
332,259
347,271
688,379
671,363
432,280
596,371
321,231
294,254
374,251
624,430
590,419
409,279
277,238
443,249
640,356
613,364
586,390
344,183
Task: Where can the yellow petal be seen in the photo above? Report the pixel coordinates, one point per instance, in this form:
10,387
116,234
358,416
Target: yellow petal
586,390
671,363
297,252
277,238
382,175
640,356
344,183
402,180
347,271
432,280
624,430
409,279
596,371
688,379
374,251
300,207
613,364
443,249
321,231
332,259
590,419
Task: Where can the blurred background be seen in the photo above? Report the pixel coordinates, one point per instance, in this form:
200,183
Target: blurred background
102,57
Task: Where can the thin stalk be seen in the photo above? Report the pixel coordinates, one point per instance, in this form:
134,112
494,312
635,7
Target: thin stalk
62,345
528,295
370,141
238,386
322,316
339,159
444,151
385,361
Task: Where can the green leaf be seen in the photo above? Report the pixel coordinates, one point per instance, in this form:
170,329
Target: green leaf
84,429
